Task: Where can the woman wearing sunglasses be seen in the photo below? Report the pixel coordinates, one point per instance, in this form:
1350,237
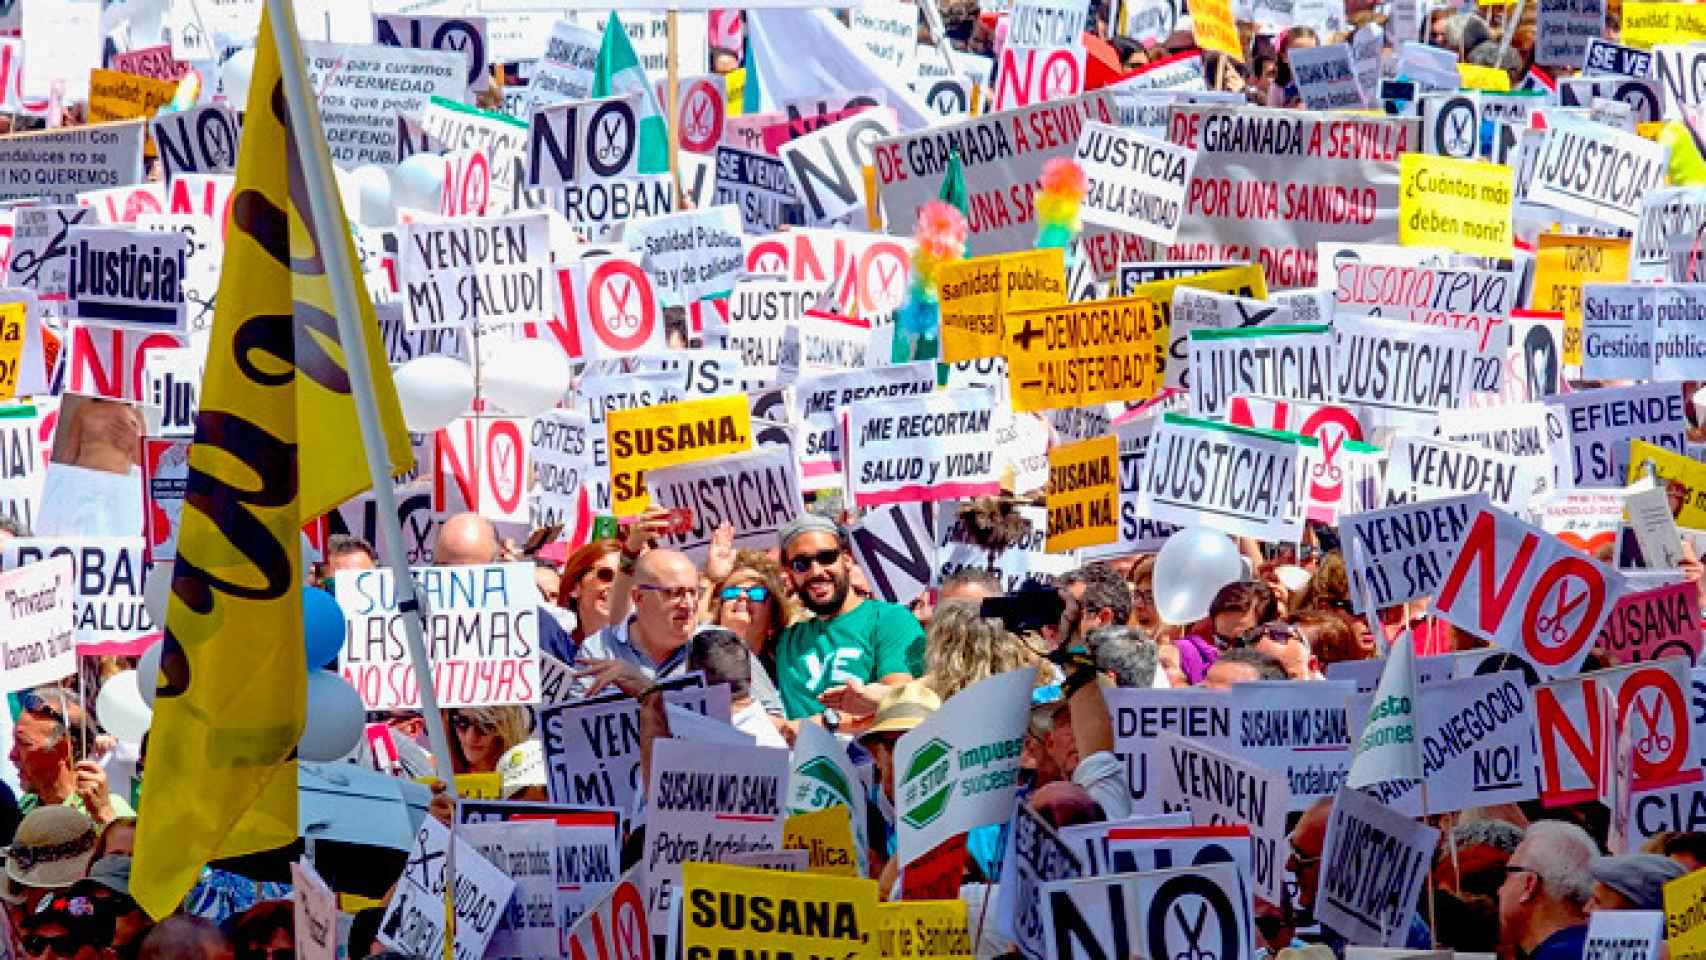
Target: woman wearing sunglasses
479,736
749,601
588,576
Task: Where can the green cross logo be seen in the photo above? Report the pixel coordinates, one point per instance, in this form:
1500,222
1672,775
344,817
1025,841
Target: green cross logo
925,787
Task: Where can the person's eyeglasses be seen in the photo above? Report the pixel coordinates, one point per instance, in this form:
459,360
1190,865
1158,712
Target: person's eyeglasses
805,561
33,702
754,594
604,574
1277,633
672,594
463,724
64,945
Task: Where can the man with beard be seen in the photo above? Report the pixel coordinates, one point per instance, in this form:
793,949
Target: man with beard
853,650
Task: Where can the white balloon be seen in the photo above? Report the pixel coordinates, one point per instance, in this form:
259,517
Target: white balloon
234,76
418,182
525,377
373,187
148,671
1191,568
120,708
433,391
335,719
155,591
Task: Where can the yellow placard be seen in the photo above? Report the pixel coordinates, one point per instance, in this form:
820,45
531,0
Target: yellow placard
1246,281
730,913
1083,494
1562,264
1646,24
1078,354
976,294
827,838
473,786
126,96
923,930
1475,77
1684,479
1211,21
14,328
1685,920
668,435
1462,205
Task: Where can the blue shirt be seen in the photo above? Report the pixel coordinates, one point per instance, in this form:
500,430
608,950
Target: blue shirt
1565,944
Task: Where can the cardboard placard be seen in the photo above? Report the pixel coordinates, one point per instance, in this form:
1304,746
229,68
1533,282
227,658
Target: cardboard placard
1462,205
468,272
1372,867
1082,493
757,493
722,906
1137,184
1423,468
1081,354
1651,699
976,294
1600,423
1650,624
1222,790
1249,491
1398,554
480,464
584,141
935,447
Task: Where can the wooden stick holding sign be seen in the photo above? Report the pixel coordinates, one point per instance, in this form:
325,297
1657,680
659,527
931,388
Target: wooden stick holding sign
672,112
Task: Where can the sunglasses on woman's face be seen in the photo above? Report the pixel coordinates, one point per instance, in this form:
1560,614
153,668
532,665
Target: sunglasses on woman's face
463,724
754,594
604,574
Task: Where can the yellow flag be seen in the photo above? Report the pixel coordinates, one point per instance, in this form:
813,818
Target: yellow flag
275,446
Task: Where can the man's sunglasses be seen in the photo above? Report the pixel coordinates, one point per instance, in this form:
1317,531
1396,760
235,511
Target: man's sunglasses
755,594
805,561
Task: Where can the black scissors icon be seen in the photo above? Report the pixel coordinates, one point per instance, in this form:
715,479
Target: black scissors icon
612,149
27,265
1194,950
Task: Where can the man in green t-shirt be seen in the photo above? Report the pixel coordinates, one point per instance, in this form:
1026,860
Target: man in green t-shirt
853,650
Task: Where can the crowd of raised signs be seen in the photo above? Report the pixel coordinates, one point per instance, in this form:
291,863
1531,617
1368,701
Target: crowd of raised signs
1181,480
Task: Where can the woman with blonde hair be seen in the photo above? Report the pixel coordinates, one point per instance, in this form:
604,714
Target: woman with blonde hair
479,736
962,648
750,601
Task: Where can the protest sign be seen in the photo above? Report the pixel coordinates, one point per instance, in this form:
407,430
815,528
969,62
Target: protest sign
1297,732
1685,926
1665,213
1565,30
613,309
934,447
127,278
669,435
1154,913
107,572
40,254
1398,554
615,926
526,852
1423,468
923,930
976,294
500,139
1565,267
584,141
415,919
38,647
1451,297
560,450
363,87
826,838
1241,280
467,35
824,778
1650,624
757,493
703,805
1566,596
888,30
827,164
470,272
56,165
200,140
587,847
1604,57
26,431
1136,531
314,912
1293,362
896,547
1081,354
592,746
1601,423
689,255
165,481
1462,205
1451,125
1651,699
1179,71
1036,855
727,911
1270,184
1001,154
1683,477
1239,480
959,768
759,186
1605,189
125,96
1082,493
1219,789
153,61
1372,867
820,400
1136,184
483,627
1679,332
480,464
1326,78
1028,75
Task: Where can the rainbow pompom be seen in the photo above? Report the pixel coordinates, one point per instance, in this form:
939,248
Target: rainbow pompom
1063,186
940,234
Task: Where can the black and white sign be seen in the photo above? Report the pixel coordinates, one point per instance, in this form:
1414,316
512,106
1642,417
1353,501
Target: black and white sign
1137,184
1372,869
199,140
827,164
459,273
584,141
123,277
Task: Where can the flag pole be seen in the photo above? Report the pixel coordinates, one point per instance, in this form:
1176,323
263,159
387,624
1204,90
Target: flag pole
672,103
331,237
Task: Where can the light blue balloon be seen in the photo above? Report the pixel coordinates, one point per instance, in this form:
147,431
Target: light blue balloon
322,627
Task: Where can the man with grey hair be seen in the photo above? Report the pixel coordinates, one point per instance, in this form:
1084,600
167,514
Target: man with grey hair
853,650
1125,654
665,600
1543,901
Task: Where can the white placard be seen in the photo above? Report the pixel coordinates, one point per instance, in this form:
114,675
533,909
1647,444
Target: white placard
109,573
1373,864
1400,553
1137,184
414,921
38,647
1249,491
691,255
467,272
1607,188
364,86
122,277
935,447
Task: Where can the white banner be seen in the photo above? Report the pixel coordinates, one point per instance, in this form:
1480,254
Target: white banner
1238,480
935,447
364,86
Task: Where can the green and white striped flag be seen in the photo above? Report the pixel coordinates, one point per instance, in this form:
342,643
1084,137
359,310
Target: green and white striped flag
619,73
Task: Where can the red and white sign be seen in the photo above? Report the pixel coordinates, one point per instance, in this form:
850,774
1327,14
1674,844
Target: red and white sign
108,362
206,194
1653,624
701,110
1524,589
1032,75
467,184
482,464
165,480
615,927
11,74
614,309
1329,423
871,272
1652,701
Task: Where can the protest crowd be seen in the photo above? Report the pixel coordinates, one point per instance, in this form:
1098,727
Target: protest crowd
883,480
